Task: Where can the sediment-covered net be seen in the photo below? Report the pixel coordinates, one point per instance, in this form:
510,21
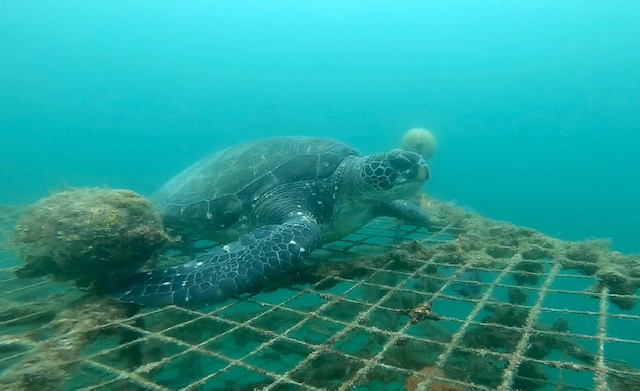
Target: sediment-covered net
475,305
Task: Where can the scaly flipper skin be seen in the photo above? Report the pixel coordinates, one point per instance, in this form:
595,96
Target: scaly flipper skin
404,210
290,195
242,266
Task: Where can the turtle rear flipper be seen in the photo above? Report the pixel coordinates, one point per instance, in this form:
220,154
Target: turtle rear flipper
242,266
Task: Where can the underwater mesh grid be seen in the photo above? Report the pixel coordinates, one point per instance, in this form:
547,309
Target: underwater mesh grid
476,305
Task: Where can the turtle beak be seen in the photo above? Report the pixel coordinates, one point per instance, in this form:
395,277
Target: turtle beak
417,171
420,171
410,167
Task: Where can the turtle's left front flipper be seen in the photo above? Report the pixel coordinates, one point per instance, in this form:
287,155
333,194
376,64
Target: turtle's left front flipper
404,210
242,266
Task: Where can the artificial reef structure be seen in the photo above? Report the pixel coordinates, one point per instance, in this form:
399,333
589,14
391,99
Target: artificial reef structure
346,317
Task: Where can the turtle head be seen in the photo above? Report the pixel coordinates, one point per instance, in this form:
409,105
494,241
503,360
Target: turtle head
395,174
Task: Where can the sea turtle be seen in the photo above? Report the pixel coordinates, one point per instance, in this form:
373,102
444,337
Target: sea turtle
273,202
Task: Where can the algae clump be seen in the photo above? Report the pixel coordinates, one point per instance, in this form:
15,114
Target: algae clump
93,237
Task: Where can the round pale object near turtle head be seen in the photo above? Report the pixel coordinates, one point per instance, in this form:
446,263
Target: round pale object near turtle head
420,140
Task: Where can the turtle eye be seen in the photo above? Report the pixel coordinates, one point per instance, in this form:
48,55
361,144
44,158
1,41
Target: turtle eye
401,163
404,160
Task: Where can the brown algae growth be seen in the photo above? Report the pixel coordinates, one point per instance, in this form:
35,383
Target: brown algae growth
88,236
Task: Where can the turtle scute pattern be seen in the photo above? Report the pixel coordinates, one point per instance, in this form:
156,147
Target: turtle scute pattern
273,202
216,192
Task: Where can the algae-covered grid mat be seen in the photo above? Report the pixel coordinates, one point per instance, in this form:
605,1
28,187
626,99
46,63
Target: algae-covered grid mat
475,305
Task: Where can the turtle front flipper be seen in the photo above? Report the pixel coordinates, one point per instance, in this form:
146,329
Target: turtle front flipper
404,210
242,266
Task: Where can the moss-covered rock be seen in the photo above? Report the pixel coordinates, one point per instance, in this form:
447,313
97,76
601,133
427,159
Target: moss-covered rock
88,236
